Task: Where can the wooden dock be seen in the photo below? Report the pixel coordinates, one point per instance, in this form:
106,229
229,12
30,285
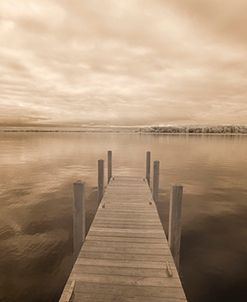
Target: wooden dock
125,256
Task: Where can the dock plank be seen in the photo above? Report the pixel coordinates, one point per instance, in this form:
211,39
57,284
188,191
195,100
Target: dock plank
125,256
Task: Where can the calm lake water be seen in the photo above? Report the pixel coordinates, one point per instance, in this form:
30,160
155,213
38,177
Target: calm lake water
36,175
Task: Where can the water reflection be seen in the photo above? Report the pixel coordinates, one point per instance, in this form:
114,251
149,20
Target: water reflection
36,173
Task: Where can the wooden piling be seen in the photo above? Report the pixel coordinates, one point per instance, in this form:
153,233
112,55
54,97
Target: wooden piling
109,157
100,179
156,172
79,217
148,162
174,234
126,255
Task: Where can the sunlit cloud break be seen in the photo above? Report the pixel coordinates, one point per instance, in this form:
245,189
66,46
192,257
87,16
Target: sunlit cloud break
110,62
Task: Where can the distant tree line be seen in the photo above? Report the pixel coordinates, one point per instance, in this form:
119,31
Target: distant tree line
196,129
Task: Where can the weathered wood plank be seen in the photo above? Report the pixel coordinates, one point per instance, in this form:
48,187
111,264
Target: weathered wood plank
126,280
125,244
127,220
134,250
113,298
132,291
127,226
151,241
125,256
127,231
123,263
129,235
122,271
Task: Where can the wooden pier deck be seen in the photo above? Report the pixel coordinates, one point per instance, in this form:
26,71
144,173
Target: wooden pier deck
126,256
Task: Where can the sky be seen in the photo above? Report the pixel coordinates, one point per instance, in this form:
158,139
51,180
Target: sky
129,62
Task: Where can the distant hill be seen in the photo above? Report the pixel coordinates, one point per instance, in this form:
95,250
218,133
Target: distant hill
224,129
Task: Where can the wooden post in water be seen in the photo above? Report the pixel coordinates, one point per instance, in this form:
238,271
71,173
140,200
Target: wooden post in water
148,162
79,217
100,179
174,234
156,176
109,157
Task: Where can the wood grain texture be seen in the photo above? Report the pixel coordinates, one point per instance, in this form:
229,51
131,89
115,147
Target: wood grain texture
126,256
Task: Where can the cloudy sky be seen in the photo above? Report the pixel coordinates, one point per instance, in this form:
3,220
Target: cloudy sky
123,62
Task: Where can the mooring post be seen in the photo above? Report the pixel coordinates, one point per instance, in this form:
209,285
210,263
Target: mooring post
79,217
148,162
109,157
100,179
156,176
174,234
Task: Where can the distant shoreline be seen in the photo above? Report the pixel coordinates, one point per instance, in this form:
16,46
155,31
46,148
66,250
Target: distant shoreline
198,130
165,130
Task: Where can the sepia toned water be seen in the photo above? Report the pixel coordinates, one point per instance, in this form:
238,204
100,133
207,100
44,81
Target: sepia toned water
36,175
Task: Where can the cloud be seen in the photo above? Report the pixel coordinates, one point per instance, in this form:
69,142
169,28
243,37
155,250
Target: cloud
122,62
226,19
